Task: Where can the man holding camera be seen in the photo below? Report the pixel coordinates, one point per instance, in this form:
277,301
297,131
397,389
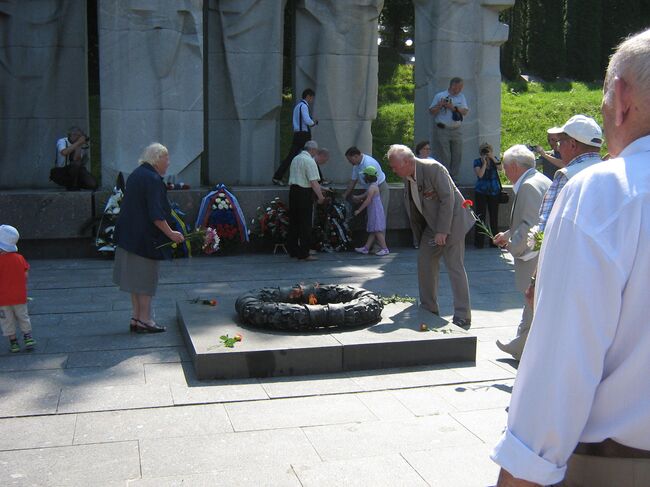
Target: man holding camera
70,164
448,109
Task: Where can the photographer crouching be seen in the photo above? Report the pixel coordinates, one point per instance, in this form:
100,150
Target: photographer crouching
70,163
487,191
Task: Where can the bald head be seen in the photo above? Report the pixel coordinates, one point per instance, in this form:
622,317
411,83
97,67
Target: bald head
626,93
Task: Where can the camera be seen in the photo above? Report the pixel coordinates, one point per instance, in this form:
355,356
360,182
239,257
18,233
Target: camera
447,99
531,147
485,151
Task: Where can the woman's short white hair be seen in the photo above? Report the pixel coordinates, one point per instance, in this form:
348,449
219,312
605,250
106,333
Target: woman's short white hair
152,154
519,154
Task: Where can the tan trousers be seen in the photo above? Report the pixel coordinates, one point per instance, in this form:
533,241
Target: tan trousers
429,274
589,471
10,315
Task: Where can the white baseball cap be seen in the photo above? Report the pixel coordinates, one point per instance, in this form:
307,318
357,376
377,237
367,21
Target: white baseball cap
8,238
582,128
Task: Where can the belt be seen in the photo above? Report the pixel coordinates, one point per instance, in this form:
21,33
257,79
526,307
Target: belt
610,449
440,125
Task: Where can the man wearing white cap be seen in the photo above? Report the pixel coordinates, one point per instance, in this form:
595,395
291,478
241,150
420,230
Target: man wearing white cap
578,142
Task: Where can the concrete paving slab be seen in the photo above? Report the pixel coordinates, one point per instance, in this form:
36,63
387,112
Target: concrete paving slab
375,380
138,424
111,358
467,466
487,424
362,440
474,396
296,412
218,453
309,385
85,398
423,401
19,401
250,477
113,463
384,405
482,370
121,341
387,471
37,432
30,361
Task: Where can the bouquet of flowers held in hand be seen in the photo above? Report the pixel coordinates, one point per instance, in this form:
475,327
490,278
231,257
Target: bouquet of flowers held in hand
206,238
485,229
535,238
272,222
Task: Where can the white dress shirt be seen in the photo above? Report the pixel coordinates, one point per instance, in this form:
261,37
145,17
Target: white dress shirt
583,376
302,108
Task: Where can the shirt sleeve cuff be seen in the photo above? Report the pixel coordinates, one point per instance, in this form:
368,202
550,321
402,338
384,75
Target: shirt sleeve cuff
522,463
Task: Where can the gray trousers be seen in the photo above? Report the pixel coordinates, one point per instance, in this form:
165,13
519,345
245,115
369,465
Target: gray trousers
516,345
429,274
589,471
447,146
12,315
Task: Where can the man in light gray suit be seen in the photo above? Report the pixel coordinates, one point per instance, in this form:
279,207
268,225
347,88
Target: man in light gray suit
439,223
529,186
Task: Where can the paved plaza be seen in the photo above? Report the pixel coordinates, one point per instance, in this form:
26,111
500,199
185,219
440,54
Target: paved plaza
94,405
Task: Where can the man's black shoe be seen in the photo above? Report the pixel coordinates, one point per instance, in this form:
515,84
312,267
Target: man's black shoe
464,324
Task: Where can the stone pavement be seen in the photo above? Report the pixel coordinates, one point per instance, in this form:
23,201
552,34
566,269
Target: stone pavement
94,405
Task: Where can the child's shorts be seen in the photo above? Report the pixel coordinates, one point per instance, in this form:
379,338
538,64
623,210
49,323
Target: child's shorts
10,315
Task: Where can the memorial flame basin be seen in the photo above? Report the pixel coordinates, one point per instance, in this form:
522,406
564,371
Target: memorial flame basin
289,308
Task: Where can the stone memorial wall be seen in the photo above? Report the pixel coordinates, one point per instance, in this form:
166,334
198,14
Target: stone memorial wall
214,97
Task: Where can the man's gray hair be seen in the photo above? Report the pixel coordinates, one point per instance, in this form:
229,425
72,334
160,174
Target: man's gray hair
631,61
400,151
152,154
519,154
310,145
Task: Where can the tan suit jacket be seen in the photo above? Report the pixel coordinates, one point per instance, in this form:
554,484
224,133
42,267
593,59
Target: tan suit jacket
441,203
524,215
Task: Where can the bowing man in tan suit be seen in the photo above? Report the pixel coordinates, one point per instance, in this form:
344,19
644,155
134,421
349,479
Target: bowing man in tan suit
439,223
529,186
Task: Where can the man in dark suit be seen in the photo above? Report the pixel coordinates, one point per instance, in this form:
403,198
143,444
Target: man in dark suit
439,223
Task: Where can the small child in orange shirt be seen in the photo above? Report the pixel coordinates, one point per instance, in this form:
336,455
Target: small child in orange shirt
13,290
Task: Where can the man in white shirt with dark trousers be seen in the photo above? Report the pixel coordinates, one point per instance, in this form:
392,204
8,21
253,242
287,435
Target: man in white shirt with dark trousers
580,408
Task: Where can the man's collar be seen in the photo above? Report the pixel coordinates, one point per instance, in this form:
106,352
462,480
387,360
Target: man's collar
583,157
520,181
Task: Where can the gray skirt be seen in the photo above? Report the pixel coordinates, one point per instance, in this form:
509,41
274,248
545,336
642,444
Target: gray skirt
134,274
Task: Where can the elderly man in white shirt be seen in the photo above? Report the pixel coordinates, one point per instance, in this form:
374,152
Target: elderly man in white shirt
580,409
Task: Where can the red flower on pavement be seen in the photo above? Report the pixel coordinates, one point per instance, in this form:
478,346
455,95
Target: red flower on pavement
238,337
467,203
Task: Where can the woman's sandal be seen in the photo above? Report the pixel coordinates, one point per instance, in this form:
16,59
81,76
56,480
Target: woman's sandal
143,327
133,325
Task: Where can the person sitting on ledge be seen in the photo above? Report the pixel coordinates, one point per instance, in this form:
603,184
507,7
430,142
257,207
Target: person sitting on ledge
70,163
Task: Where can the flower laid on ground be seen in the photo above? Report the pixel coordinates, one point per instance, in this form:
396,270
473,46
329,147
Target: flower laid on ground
485,229
424,327
312,299
535,238
229,342
209,302
272,222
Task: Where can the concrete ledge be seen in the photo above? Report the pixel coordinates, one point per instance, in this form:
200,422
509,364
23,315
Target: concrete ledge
52,219
393,342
